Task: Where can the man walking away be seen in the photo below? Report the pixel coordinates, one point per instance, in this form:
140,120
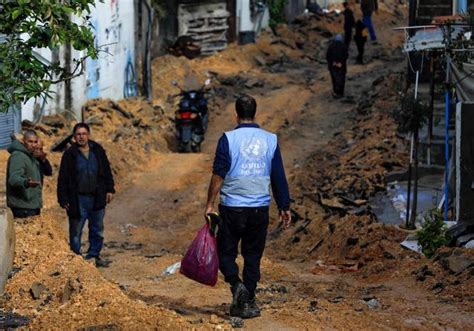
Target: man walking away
360,39
24,193
85,187
368,7
349,23
336,57
247,161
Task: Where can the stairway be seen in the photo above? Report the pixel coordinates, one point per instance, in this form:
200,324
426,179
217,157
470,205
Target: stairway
437,155
427,9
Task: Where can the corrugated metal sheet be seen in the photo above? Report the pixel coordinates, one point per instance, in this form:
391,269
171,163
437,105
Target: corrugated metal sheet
10,122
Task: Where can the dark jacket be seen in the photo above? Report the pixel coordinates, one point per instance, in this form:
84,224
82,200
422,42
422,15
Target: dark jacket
368,7
337,52
68,184
45,169
22,165
360,32
349,20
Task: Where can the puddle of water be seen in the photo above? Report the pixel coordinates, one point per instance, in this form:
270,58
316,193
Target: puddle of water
390,206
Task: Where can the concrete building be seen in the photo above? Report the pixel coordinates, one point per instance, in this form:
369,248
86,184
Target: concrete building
110,76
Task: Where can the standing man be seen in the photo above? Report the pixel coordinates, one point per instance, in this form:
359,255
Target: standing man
85,187
368,7
24,192
247,161
336,57
360,39
349,23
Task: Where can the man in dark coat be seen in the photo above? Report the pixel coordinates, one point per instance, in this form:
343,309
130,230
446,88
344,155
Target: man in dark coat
349,23
368,7
360,39
85,187
336,57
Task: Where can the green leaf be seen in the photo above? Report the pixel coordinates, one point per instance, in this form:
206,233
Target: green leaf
16,13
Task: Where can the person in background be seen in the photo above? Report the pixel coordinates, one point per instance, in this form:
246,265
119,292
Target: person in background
24,193
349,23
336,57
360,39
85,187
368,7
247,162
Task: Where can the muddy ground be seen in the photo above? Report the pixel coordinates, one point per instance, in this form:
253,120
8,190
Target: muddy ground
335,268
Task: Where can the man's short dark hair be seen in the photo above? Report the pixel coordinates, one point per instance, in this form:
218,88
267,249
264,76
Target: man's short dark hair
29,133
81,125
246,107
345,4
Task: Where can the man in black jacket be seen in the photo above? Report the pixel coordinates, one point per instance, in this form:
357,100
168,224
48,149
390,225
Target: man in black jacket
349,23
336,57
85,187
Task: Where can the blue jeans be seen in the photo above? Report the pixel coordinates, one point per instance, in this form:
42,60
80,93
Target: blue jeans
96,227
367,20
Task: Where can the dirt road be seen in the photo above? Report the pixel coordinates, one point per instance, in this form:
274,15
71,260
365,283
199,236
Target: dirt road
152,221
335,268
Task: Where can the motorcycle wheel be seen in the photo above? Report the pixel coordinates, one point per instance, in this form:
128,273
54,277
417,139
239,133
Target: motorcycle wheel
185,147
196,148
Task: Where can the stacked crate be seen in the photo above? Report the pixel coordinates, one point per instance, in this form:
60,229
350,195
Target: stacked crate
206,23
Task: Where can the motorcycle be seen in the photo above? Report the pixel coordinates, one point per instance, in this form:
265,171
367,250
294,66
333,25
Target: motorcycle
191,118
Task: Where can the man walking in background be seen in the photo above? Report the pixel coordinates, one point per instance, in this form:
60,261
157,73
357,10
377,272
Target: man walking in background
336,57
247,162
368,7
85,187
24,192
360,39
349,23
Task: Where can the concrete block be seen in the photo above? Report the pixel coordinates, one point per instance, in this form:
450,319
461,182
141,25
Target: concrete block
7,245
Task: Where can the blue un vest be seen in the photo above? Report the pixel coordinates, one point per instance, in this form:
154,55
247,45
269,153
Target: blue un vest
247,184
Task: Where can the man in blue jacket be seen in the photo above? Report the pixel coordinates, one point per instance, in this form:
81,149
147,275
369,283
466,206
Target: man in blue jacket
247,163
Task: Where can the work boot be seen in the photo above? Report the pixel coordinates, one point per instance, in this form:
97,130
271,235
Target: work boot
240,298
98,261
251,310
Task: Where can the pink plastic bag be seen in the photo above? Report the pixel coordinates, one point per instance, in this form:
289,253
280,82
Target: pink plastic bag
201,262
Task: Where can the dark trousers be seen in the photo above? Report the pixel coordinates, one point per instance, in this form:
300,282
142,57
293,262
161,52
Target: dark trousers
367,20
360,49
338,77
248,226
96,227
24,213
347,37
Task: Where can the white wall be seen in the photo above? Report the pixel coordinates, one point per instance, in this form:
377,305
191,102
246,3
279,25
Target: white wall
114,29
326,3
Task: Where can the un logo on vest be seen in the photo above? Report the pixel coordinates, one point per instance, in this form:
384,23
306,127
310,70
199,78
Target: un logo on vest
254,149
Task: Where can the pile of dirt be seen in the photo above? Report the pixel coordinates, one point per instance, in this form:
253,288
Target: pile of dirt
450,274
57,289
128,129
332,214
